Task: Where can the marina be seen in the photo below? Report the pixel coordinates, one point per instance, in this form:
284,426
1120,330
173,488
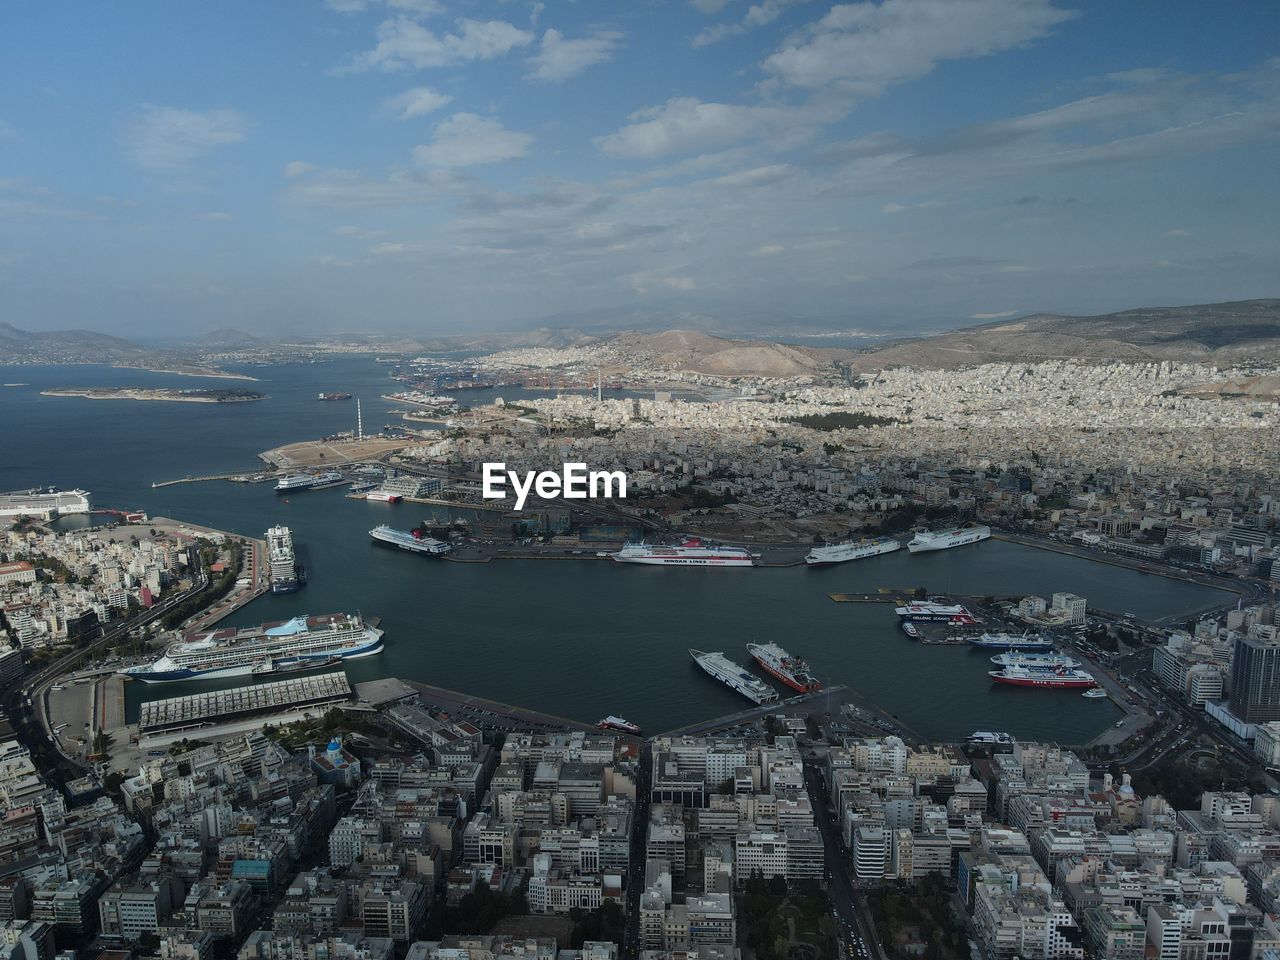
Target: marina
201,709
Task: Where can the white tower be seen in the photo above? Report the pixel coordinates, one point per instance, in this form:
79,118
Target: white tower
359,421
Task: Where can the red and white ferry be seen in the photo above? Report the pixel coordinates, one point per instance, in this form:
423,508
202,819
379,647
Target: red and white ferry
792,671
617,723
691,553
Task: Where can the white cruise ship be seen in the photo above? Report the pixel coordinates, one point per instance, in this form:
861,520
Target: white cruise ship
851,550
43,504
734,676
927,540
243,651
415,541
286,575
691,553
307,481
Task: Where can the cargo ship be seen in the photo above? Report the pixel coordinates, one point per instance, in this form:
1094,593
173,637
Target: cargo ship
1041,660
415,540
927,540
792,671
333,396
242,651
930,611
1011,641
383,496
617,723
287,575
1057,678
692,553
850,550
734,676
307,481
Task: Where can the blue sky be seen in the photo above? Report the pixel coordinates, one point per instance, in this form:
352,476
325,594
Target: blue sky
429,166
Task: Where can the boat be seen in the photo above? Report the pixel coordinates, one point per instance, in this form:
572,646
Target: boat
307,481
1011,641
383,496
1095,693
237,651
333,396
910,630
617,723
779,664
293,665
850,550
361,486
287,575
691,553
1012,658
415,540
734,676
1058,678
930,611
991,737
927,540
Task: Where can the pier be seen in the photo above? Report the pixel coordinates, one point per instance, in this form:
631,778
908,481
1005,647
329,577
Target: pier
217,706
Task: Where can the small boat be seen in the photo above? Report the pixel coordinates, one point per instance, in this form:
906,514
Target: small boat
1094,693
910,630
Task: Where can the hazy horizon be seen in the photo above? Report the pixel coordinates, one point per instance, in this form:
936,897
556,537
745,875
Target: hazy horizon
431,168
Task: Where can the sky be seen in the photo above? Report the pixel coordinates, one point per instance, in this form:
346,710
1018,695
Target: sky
447,166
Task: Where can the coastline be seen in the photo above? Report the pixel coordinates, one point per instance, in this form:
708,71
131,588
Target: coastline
209,373
93,394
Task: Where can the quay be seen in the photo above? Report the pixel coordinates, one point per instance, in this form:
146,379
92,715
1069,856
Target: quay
217,706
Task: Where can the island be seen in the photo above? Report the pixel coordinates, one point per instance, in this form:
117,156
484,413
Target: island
158,393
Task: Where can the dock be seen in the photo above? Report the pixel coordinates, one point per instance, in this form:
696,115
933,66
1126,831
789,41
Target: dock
219,706
882,595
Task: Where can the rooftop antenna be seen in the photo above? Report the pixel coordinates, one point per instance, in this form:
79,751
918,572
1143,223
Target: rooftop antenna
359,421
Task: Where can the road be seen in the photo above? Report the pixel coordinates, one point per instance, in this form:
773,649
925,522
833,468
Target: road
853,920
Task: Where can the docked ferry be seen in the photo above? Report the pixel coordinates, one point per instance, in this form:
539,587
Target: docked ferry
1011,641
287,575
307,481
617,723
1041,660
692,553
927,540
243,651
929,611
735,676
850,550
792,671
415,541
1058,678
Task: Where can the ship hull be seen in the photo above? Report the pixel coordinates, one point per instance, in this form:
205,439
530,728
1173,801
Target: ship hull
689,561
862,553
247,669
1049,683
1012,644
961,540
783,677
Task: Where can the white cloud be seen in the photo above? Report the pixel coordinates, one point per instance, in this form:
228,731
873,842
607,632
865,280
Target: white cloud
868,46
559,59
422,8
416,102
297,168
1178,234
992,316
404,43
901,208
215,216
680,283
688,125
768,250
758,15
167,139
466,139
358,233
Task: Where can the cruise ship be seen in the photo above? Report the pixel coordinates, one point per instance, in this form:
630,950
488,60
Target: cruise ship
927,540
792,671
415,541
243,651
691,553
287,575
43,504
734,676
1058,678
617,723
1011,641
1033,660
929,611
306,481
850,550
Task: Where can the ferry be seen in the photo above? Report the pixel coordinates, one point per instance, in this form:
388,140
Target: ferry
1011,641
382,496
734,676
1056,678
1095,693
691,553
617,723
927,540
1043,660
287,575
991,737
307,481
791,670
850,550
242,651
930,611
415,540
910,630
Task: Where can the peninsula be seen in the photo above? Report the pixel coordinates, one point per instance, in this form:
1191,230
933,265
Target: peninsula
158,393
